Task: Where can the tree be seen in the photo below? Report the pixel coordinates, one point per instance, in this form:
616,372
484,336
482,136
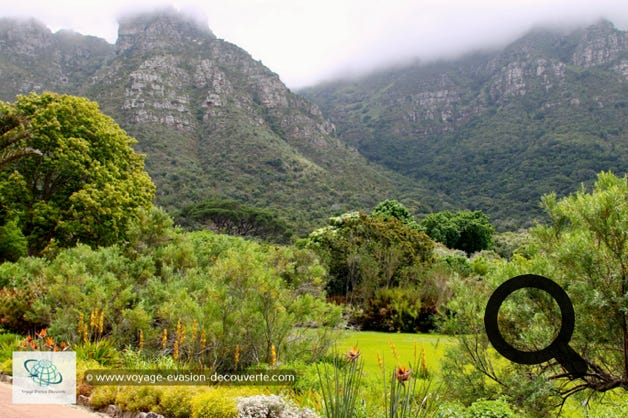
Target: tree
469,231
365,253
234,218
86,185
392,208
584,250
588,245
13,135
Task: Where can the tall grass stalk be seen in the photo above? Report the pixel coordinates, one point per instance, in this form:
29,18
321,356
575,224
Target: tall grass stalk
340,386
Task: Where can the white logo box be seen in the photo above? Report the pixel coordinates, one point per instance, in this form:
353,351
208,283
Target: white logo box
44,377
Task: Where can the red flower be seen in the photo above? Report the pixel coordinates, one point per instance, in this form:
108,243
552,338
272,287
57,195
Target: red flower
402,374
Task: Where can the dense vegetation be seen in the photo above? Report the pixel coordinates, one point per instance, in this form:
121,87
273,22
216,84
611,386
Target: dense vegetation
224,291
120,284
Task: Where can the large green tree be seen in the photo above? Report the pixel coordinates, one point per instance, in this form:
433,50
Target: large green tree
365,253
469,231
85,184
13,135
584,250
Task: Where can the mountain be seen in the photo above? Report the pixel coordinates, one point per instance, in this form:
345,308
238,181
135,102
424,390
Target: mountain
495,130
212,121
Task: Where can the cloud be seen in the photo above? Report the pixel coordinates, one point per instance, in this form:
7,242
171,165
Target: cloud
309,41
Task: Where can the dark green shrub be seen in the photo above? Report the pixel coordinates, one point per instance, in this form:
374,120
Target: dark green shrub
483,408
394,309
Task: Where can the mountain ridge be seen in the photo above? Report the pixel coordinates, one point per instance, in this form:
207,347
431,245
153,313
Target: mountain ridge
496,129
213,122
493,130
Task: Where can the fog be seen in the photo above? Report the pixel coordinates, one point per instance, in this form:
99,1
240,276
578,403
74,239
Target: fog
307,42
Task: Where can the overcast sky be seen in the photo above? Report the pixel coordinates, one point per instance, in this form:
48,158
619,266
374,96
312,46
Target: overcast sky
307,41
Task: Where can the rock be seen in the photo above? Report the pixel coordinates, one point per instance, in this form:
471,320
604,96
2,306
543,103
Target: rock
113,411
600,45
83,400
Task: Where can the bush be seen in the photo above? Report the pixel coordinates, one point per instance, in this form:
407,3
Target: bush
450,410
394,309
176,402
13,244
83,387
18,311
103,396
219,402
6,367
8,344
138,398
102,352
489,409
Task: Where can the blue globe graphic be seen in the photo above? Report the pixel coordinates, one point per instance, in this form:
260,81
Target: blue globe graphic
43,372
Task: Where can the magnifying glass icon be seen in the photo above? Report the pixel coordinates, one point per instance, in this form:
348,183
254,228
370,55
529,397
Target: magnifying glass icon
559,349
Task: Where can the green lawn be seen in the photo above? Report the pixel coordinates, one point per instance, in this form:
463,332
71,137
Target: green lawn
371,343
612,404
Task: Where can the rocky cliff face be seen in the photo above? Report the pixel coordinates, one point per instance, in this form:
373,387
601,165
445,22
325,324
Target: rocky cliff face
213,122
32,58
600,45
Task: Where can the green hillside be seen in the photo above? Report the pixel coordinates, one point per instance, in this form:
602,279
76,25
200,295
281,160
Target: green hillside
495,131
213,122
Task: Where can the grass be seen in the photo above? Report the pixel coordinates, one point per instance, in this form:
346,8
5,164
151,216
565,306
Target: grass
373,343
611,404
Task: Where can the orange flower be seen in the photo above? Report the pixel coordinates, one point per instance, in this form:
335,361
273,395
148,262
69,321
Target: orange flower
29,338
353,354
141,343
50,342
33,345
57,348
203,340
23,344
402,374
63,345
42,333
